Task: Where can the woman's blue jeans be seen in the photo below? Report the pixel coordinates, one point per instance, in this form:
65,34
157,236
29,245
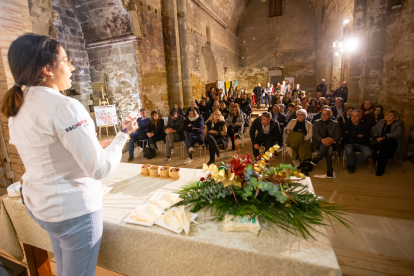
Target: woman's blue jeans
75,243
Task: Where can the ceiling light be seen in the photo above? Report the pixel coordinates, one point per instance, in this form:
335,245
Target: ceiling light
346,21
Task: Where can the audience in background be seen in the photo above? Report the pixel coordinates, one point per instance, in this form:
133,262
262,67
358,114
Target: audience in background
193,133
192,107
326,137
215,135
265,131
141,134
286,100
304,103
234,125
298,133
313,106
346,116
224,110
321,88
297,91
156,131
355,137
338,109
322,101
291,112
295,99
388,135
258,93
279,117
268,92
366,108
342,92
374,117
175,133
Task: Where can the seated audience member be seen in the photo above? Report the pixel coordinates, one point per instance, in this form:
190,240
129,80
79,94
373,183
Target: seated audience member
291,112
313,106
329,102
366,108
245,106
309,96
204,110
295,99
338,109
279,117
332,94
192,107
304,103
230,92
302,95
193,133
249,98
297,108
389,137
175,133
268,133
216,100
156,130
326,136
220,94
298,138
231,104
355,136
210,94
234,124
216,105
322,101
141,134
373,118
215,135
346,116
318,96
224,110
179,109
319,115
282,109
225,100
286,100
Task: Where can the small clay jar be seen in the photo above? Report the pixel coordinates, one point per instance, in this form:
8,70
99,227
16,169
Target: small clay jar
175,173
145,169
154,171
165,172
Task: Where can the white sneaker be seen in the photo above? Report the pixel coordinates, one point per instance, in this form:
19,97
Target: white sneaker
191,150
168,159
172,151
188,161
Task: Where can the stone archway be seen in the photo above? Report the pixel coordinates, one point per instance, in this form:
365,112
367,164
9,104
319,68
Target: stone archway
210,66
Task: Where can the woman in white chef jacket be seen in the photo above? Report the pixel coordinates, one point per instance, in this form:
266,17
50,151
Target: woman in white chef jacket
55,137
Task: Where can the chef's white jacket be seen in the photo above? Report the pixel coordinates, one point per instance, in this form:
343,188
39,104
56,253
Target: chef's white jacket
56,140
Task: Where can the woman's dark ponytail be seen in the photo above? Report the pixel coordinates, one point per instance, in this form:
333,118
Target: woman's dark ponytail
27,56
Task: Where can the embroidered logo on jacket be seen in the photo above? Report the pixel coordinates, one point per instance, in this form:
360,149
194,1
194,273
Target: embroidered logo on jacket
77,125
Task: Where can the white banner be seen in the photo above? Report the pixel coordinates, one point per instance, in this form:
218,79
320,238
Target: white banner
105,115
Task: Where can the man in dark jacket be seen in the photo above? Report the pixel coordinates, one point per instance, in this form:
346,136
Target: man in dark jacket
319,115
297,91
258,93
265,131
338,109
141,134
193,133
326,135
322,88
279,117
342,92
210,94
192,107
355,136
175,133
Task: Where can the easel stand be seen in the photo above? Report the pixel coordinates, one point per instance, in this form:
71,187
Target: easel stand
105,102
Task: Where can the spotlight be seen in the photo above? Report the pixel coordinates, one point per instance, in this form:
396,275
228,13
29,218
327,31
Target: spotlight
336,54
346,21
340,44
351,44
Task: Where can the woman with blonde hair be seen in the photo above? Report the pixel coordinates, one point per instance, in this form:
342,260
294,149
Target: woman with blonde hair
216,105
388,135
234,124
215,135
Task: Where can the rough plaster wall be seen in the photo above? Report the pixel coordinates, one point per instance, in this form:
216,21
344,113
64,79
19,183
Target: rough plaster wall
329,31
287,41
151,58
102,19
69,33
207,61
114,66
41,16
398,71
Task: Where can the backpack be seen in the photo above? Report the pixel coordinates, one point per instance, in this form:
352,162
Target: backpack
149,153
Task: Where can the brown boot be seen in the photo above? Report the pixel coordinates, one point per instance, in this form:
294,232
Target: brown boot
130,158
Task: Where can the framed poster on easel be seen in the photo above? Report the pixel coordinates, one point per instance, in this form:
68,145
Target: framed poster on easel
105,116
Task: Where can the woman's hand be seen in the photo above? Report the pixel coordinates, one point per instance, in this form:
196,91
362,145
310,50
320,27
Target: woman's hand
131,126
213,131
105,143
380,139
150,134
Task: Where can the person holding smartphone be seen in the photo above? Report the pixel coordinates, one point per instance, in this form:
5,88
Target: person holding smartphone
56,140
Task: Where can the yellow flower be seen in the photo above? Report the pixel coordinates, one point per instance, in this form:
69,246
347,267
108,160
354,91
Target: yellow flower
234,181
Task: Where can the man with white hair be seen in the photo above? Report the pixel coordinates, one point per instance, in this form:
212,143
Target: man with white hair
298,134
322,88
326,134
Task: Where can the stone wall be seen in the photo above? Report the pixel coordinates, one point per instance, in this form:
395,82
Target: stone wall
287,41
68,32
41,16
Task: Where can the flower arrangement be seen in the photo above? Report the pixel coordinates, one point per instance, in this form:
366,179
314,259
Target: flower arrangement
254,190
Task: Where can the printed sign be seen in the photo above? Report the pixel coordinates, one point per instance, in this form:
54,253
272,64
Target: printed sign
220,85
234,84
105,115
291,81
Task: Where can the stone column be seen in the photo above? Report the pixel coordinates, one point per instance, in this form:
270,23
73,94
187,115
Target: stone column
172,49
185,48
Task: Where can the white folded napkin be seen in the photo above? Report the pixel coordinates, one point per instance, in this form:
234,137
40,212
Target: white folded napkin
146,214
165,200
178,219
14,189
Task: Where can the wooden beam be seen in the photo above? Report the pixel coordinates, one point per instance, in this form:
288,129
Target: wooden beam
37,261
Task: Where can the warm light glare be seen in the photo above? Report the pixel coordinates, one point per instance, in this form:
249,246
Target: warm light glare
346,21
351,44
336,54
342,50
340,44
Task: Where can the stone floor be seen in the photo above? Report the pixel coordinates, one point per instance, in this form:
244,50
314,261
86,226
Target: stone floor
381,209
